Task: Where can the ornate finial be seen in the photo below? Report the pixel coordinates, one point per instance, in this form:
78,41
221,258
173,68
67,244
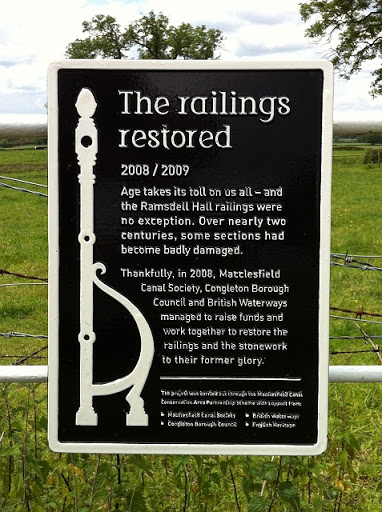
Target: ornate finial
86,104
86,133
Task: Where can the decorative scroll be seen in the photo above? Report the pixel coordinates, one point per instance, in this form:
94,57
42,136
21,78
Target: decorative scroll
86,146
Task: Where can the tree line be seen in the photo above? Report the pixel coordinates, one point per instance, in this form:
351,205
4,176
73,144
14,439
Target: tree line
150,37
351,31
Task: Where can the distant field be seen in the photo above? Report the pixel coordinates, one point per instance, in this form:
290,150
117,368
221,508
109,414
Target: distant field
345,479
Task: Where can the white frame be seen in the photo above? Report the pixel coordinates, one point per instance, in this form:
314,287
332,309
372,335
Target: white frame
326,161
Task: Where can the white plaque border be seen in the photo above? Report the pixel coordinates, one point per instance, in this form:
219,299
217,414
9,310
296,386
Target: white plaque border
324,265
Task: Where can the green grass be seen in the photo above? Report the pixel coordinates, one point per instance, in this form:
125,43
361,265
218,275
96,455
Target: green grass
344,479
356,229
23,250
25,157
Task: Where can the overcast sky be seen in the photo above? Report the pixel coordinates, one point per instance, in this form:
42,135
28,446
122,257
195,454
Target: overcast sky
35,33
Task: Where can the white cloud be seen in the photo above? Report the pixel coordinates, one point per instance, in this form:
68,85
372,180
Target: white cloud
33,34
256,41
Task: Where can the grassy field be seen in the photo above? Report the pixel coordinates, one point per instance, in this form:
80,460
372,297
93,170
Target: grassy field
356,230
346,478
23,250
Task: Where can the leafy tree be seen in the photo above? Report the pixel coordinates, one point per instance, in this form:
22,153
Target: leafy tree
353,29
106,40
370,138
152,37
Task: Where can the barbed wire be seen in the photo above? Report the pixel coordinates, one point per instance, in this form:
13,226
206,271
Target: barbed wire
349,261
13,334
23,284
23,181
347,255
23,190
359,313
336,352
31,356
20,359
357,265
354,337
347,318
4,271
369,340
11,356
366,337
352,261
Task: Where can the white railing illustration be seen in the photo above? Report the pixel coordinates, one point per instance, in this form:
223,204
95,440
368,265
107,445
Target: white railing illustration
86,144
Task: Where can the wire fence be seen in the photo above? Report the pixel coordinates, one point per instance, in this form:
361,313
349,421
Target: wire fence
18,189
13,334
358,262
23,181
350,261
354,261
39,354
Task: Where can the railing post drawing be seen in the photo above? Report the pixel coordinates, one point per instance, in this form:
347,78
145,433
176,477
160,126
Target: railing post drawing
86,146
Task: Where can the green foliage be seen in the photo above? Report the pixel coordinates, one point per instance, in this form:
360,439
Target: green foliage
105,40
289,495
151,36
370,138
258,504
11,142
352,29
372,156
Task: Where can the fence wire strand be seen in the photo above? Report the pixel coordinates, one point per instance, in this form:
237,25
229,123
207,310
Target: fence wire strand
337,352
18,356
347,318
34,355
23,190
23,181
358,314
347,255
349,261
354,337
23,284
13,334
369,340
353,261
4,271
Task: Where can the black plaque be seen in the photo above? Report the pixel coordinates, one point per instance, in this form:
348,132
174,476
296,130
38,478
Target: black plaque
189,250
